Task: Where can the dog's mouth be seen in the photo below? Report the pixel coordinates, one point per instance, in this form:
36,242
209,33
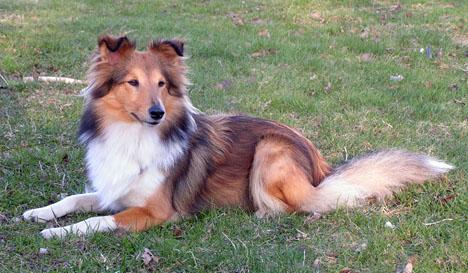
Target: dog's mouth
152,123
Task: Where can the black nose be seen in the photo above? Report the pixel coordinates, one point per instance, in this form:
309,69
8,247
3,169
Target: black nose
156,112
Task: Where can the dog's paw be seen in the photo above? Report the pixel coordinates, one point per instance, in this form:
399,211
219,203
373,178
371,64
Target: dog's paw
50,233
40,215
261,214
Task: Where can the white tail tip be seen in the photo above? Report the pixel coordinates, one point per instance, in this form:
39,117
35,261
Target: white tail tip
439,166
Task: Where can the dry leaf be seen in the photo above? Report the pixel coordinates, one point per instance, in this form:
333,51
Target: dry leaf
316,263
395,8
148,257
263,53
236,18
317,16
264,33
223,85
409,265
257,54
258,21
443,66
331,258
428,84
447,198
364,33
177,231
366,57
312,218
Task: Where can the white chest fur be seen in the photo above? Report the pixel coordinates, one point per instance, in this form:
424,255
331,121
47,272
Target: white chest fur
127,163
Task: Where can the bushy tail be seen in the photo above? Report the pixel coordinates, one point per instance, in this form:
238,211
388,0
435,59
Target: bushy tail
375,176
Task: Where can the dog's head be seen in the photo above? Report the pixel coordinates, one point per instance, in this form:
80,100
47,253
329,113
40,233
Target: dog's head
128,85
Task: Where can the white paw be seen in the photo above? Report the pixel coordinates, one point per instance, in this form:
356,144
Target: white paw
86,227
40,215
261,214
50,233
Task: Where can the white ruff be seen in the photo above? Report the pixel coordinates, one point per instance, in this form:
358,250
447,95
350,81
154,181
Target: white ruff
128,162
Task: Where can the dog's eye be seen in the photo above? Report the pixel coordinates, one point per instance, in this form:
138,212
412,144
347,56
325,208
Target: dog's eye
161,83
133,83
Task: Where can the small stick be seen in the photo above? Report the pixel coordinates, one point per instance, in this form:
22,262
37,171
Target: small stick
388,124
4,80
437,222
54,79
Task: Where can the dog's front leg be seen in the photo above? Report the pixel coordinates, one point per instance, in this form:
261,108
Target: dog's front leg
79,202
156,211
88,226
133,219
139,219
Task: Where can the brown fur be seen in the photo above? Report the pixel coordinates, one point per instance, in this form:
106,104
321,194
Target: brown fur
157,210
241,161
278,182
234,139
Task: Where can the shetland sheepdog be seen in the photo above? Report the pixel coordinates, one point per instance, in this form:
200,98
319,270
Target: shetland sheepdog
151,157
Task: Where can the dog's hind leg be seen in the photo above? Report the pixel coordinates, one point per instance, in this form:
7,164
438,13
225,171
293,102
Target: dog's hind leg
79,202
278,184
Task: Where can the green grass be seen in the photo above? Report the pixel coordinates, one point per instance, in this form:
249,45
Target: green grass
314,78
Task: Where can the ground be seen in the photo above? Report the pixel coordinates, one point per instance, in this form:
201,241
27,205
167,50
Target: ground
353,76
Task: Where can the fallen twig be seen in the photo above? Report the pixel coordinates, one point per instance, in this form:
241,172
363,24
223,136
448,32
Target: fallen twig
388,124
3,79
53,79
437,222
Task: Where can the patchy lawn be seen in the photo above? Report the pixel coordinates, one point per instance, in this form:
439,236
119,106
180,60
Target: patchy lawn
353,76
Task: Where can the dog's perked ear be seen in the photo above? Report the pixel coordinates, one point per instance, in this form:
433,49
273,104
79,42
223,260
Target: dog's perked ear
169,49
114,49
170,54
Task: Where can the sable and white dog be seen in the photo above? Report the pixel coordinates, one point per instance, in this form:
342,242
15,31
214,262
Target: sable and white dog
152,157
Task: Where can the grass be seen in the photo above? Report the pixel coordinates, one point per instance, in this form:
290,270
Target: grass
323,67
